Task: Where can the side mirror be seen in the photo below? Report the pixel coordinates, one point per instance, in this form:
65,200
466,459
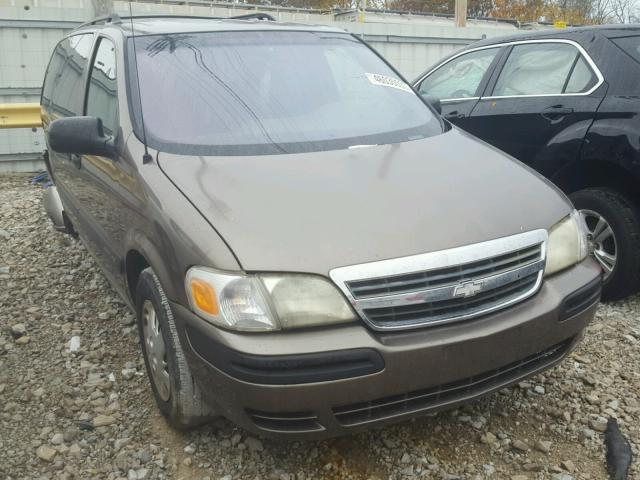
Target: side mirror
433,101
80,135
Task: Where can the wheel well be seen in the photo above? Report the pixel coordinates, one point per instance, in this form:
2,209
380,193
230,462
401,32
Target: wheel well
598,174
135,263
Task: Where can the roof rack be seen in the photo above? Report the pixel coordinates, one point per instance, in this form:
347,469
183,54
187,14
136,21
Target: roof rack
115,19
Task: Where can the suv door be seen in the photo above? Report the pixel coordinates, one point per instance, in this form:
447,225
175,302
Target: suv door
543,99
459,81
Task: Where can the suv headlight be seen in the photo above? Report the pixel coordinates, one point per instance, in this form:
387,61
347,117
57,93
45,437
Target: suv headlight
265,302
567,243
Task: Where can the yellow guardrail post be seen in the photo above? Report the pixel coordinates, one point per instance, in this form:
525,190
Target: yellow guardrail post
20,115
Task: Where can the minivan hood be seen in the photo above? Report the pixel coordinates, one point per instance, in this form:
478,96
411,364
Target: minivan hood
316,211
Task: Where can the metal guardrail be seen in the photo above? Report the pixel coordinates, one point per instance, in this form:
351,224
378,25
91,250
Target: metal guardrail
20,115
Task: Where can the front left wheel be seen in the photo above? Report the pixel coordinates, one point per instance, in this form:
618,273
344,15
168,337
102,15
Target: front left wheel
177,395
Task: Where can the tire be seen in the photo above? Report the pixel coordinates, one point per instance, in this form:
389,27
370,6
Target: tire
623,217
177,395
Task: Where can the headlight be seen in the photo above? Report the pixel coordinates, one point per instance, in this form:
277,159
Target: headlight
567,243
265,302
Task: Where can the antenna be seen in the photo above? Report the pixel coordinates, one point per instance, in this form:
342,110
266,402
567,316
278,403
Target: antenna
146,158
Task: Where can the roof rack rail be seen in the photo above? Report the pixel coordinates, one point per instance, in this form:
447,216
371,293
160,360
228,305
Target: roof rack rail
257,16
113,18
116,19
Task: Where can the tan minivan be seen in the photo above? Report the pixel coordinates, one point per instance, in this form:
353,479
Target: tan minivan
309,247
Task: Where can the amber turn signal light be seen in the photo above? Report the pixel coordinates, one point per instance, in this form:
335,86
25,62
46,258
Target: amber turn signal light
204,297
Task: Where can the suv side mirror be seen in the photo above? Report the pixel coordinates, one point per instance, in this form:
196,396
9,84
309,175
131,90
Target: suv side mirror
433,101
80,135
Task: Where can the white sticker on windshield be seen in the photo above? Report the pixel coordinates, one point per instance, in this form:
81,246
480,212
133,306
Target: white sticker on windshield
377,79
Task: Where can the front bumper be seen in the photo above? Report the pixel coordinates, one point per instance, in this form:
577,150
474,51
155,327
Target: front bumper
409,372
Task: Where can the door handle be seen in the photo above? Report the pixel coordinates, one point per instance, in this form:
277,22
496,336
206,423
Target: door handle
455,115
556,113
76,160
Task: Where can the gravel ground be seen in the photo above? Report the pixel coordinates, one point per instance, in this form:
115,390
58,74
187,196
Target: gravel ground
89,413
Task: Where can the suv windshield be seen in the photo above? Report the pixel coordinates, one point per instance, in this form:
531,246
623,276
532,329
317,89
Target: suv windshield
257,92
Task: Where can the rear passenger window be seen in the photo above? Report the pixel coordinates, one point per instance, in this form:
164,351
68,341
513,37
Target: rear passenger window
102,97
582,78
64,78
543,69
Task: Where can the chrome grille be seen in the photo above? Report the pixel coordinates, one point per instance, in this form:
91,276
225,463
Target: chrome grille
435,311
446,276
445,286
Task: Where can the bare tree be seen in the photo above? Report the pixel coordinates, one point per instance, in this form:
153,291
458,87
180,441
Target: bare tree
574,12
623,11
600,11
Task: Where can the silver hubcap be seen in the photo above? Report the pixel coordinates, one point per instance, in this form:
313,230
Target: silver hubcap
156,351
602,241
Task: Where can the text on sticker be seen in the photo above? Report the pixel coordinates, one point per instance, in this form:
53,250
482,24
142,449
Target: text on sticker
377,79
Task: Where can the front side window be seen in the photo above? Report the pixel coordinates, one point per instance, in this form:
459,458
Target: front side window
461,77
543,69
65,88
102,96
256,93
52,73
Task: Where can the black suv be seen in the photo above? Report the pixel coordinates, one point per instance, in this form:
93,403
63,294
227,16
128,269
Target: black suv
566,103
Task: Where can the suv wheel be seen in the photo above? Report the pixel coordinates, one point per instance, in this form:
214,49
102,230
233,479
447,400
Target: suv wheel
177,395
613,224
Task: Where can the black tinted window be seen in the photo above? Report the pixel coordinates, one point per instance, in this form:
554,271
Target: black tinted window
102,96
630,45
242,93
67,89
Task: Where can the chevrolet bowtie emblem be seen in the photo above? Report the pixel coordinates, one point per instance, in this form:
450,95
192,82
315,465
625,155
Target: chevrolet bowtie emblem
468,289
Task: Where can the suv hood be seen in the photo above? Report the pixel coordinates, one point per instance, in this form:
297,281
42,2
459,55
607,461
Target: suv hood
316,211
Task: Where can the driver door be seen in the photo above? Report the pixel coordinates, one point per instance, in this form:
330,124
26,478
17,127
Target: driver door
459,82
104,180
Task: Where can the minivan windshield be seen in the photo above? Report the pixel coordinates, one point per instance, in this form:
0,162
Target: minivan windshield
271,92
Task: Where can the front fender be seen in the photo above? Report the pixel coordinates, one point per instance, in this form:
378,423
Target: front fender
163,265
171,234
